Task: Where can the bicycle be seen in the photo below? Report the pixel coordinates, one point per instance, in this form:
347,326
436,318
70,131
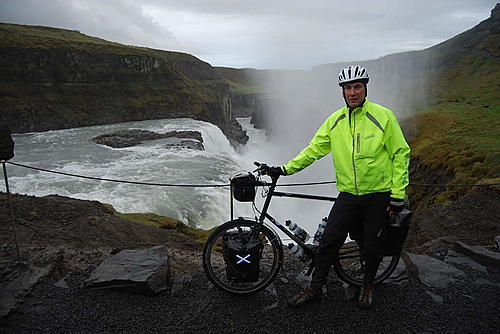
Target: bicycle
348,265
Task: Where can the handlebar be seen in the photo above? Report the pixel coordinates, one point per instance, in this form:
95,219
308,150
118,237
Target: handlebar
264,169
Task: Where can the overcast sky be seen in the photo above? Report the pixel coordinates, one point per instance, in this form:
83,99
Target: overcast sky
260,33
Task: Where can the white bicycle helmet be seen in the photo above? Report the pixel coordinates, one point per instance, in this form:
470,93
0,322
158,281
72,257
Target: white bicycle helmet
353,73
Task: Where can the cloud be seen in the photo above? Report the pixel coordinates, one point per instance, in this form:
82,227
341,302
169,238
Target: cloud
119,21
258,33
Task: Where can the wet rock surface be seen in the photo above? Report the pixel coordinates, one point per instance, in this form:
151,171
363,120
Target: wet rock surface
480,253
142,271
435,273
17,281
133,137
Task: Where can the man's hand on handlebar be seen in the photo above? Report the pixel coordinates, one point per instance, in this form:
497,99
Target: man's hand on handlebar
275,171
272,171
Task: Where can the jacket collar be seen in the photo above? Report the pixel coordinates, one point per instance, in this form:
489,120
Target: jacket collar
359,109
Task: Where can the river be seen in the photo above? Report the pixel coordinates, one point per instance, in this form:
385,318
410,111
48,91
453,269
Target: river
73,151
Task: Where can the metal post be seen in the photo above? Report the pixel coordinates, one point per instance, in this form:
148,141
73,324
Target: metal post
231,200
11,210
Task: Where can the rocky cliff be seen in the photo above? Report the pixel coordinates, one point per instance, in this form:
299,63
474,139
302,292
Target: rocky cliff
55,78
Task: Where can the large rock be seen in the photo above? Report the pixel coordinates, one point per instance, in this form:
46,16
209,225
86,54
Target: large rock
133,137
144,271
435,273
480,253
16,281
455,258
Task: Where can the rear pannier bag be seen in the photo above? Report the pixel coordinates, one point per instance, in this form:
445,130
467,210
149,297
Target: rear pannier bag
242,253
395,232
243,184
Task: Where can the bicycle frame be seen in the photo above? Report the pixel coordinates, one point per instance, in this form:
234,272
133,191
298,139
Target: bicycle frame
281,227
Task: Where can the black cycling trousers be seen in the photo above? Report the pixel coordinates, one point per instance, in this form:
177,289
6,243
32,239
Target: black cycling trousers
347,213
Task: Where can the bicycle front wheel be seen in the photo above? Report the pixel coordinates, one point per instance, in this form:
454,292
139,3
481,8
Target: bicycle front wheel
350,265
216,268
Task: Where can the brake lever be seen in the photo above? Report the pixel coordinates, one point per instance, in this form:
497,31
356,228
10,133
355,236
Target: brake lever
262,168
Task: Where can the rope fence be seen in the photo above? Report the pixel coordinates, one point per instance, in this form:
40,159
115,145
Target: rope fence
227,184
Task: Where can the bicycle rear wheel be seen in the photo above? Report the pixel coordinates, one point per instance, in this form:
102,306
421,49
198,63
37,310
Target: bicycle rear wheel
215,266
350,265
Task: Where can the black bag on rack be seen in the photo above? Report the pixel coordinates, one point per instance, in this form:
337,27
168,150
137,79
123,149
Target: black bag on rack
242,253
6,143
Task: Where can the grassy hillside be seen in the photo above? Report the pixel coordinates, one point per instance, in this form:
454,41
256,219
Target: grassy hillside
41,37
458,133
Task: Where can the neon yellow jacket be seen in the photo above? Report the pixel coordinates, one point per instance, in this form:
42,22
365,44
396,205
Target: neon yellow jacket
370,154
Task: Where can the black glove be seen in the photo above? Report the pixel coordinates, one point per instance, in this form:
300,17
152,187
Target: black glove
396,205
275,171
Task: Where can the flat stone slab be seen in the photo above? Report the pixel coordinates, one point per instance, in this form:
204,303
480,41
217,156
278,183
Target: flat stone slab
435,273
456,258
16,281
480,253
142,271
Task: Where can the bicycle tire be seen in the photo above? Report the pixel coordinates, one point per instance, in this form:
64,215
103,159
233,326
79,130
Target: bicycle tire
349,265
270,263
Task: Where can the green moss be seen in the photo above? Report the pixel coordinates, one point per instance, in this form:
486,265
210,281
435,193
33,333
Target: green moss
150,219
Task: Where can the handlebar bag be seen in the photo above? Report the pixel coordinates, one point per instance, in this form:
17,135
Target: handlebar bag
242,253
243,184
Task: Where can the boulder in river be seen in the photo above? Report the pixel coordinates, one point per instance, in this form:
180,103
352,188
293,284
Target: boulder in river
133,137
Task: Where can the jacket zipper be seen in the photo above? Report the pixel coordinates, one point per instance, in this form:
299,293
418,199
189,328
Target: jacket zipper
353,164
358,146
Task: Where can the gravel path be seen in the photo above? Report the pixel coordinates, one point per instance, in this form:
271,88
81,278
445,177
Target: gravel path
198,307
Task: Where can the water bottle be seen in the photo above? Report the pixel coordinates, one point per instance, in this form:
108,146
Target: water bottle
319,231
298,252
298,231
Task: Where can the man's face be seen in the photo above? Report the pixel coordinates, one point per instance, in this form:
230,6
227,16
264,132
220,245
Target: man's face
354,93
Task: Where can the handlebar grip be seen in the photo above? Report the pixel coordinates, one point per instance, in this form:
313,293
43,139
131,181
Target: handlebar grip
257,163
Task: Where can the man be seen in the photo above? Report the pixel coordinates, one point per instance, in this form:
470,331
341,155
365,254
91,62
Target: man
371,160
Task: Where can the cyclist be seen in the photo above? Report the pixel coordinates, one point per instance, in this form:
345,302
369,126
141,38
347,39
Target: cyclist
371,157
